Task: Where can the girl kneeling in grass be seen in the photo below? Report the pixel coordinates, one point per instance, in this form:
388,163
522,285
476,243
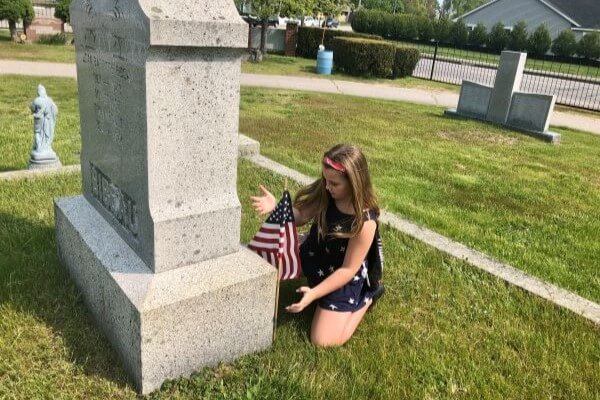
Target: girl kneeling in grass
343,209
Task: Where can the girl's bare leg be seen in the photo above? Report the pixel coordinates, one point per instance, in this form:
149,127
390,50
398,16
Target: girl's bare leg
332,328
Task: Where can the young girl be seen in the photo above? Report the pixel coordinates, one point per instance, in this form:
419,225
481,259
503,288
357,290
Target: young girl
343,210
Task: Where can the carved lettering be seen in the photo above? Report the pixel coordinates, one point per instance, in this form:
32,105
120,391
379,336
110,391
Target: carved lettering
120,205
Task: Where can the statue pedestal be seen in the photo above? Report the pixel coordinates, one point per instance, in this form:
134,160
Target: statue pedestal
44,162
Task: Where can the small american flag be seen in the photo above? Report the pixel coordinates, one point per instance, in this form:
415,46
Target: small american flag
277,240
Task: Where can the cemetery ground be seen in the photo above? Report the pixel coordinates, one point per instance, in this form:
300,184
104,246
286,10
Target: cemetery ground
443,330
520,200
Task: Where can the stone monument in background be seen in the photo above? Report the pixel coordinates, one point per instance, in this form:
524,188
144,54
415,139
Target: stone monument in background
503,104
154,242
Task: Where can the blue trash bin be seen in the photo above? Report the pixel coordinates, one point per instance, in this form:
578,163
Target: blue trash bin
324,62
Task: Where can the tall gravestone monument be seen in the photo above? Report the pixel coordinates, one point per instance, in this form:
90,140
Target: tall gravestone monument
153,243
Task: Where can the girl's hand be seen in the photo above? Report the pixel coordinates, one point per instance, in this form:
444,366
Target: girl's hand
264,204
307,298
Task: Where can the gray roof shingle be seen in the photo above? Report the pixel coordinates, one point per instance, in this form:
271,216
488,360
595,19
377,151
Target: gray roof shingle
584,12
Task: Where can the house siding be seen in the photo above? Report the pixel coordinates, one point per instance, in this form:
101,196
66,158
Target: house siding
509,12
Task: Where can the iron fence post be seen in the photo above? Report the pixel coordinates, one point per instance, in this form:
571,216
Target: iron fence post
434,58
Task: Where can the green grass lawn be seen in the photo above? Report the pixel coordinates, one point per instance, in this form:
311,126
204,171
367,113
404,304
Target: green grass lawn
443,330
34,51
533,205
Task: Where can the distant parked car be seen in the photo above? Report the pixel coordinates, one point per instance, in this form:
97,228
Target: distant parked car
310,21
330,22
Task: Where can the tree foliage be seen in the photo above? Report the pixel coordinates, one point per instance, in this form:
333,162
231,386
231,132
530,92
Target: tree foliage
62,10
589,46
540,40
14,11
456,8
497,38
565,44
478,36
518,37
459,34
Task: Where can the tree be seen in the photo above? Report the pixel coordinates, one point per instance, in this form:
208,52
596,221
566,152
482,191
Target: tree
459,34
540,41
441,30
565,44
589,46
14,11
62,10
498,38
518,37
264,9
456,8
478,36
390,6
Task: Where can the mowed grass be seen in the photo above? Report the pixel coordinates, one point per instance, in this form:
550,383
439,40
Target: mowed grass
443,329
34,51
523,201
16,120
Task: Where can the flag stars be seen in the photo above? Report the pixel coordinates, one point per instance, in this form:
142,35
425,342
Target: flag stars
351,301
320,272
356,278
337,228
331,268
311,253
333,307
342,249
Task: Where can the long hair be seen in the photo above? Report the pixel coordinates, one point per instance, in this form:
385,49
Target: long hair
315,195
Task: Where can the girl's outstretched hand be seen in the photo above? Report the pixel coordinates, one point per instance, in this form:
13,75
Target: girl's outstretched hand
264,204
307,298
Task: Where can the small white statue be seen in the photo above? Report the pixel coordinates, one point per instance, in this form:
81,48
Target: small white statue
45,113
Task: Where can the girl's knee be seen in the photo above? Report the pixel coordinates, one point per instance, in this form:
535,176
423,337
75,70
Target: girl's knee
320,341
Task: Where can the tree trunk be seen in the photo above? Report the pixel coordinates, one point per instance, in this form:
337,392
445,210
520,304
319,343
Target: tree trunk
263,35
12,26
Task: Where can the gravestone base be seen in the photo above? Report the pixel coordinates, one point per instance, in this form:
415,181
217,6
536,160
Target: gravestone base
170,324
547,136
51,163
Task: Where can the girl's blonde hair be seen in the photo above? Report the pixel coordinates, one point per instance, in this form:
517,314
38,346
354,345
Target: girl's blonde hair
315,196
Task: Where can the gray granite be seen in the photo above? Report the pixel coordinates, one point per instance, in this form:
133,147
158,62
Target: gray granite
531,113
247,147
474,99
508,79
153,114
153,243
172,323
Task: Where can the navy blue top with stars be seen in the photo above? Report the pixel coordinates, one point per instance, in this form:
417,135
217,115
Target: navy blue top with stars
321,257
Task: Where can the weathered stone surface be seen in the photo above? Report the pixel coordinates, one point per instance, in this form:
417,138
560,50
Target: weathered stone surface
474,99
152,115
508,79
153,243
169,324
531,111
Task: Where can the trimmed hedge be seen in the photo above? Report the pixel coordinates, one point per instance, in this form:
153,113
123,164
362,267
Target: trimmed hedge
364,57
309,39
405,61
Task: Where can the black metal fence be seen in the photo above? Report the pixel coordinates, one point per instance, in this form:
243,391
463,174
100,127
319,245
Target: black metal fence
574,82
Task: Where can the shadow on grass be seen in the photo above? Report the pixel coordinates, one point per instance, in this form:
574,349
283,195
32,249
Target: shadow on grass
34,283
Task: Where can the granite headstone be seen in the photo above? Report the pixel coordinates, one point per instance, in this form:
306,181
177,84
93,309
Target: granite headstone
153,243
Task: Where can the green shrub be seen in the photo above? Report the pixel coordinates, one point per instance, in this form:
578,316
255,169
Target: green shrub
364,57
408,27
424,28
441,30
518,37
478,36
540,41
589,46
459,34
55,39
359,21
405,61
565,44
498,38
309,39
